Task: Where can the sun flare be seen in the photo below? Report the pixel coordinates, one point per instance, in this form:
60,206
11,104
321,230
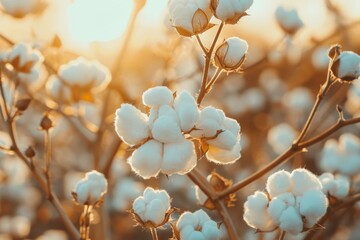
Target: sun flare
98,20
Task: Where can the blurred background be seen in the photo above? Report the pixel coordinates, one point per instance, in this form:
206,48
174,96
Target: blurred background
271,100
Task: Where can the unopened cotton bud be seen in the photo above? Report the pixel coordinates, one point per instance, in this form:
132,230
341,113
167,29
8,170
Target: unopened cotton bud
230,11
346,66
91,188
29,152
190,17
131,124
153,208
231,54
23,104
288,19
46,123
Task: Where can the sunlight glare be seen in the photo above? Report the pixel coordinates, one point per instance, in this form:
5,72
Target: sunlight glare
98,20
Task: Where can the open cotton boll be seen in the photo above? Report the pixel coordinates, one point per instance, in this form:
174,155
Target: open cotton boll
336,186
280,137
347,66
209,122
312,205
255,212
147,159
222,156
288,19
231,54
278,183
157,96
91,188
189,17
178,157
290,221
187,110
152,206
197,225
131,124
230,11
303,180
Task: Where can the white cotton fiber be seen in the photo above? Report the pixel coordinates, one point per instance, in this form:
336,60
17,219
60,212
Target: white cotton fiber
304,180
290,221
278,183
187,110
157,96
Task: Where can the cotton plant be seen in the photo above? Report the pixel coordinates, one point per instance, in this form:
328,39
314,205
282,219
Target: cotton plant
161,139
24,61
293,202
341,156
78,80
196,225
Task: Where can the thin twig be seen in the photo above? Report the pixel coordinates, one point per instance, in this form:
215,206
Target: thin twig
282,235
224,214
154,234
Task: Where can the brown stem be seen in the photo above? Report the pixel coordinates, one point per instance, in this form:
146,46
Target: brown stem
154,234
200,181
208,56
203,48
47,162
224,214
282,235
213,80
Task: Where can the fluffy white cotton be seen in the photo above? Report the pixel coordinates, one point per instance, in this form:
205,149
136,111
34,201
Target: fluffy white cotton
222,156
25,60
125,192
166,128
91,188
131,124
197,225
209,122
187,110
279,183
288,19
190,17
280,137
347,66
230,55
230,11
303,180
342,156
336,186
178,157
157,96
255,212
19,8
147,159
152,207
312,205
292,197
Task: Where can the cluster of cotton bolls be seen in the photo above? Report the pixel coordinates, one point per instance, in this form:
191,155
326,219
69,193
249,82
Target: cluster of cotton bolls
161,138
24,60
294,202
335,185
78,80
341,156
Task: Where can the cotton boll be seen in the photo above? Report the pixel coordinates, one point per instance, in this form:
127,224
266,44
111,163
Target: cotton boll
197,225
187,110
91,188
347,66
178,157
230,11
312,205
278,183
290,221
303,180
146,160
288,19
329,159
131,124
209,122
280,137
225,140
221,156
337,187
231,54
152,206
157,96
255,212
189,17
